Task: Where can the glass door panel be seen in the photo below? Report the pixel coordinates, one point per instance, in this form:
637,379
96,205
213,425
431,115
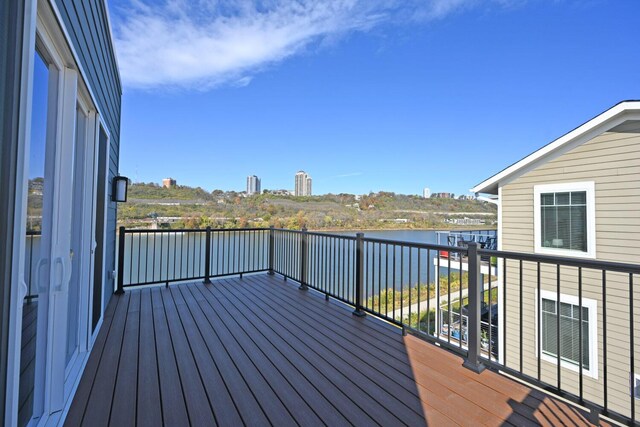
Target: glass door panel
38,249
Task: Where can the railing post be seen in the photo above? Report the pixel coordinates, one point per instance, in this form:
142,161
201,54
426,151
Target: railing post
272,248
303,260
359,275
474,307
120,289
207,255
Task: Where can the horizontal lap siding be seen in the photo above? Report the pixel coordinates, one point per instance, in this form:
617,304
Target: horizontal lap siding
612,161
88,30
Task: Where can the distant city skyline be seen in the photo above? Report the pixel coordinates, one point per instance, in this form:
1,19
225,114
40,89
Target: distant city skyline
374,98
254,186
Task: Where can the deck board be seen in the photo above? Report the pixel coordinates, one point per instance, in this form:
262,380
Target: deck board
257,351
396,400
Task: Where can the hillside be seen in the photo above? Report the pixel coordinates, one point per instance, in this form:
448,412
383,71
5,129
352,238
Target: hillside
150,204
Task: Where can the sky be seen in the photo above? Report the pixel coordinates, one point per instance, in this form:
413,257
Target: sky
363,95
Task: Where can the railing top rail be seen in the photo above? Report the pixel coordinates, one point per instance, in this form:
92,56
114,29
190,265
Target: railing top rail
317,233
190,230
458,249
337,236
565,261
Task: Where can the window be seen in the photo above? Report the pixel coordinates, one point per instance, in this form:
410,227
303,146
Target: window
567,312
569,332
565,219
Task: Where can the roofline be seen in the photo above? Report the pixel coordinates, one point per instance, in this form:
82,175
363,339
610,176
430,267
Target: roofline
615,111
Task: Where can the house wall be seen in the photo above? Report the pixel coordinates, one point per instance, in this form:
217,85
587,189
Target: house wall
612,161
90,36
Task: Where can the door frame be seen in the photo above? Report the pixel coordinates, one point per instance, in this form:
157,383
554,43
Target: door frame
86,194
100,126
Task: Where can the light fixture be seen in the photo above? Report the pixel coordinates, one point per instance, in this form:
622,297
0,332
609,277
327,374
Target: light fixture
120,185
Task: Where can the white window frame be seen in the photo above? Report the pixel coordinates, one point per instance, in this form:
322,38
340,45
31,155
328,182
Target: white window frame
592,306
589,188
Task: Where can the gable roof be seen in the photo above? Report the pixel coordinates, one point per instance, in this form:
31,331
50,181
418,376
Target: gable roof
614,116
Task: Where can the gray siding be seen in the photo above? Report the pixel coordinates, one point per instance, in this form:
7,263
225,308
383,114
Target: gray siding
612,161
88,30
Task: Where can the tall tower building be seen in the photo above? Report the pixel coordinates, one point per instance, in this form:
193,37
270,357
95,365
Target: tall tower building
426,193
308,186
253,185
303,184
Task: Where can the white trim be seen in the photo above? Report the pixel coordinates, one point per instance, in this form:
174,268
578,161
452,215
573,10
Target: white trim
102,127
589,187
501,289
620,113
590,304
18,286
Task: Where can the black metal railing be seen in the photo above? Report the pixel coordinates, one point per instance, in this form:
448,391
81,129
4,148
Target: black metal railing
147,257
565,324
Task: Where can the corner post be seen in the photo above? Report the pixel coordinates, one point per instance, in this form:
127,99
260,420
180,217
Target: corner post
303,259
359,274
120,289
207,256
473,361
272,249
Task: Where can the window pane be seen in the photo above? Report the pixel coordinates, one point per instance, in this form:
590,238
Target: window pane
546,199
579,228
548,226
549,342
579,198
549,306
563,225
562,198
565,309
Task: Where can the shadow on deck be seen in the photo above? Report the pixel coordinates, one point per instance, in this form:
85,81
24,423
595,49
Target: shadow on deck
257,351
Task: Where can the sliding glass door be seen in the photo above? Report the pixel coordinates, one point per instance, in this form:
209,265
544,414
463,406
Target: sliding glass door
38,249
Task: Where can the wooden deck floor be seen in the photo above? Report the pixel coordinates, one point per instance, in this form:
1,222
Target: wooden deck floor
257,351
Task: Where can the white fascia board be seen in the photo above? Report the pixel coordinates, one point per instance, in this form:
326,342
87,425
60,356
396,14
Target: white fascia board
627,110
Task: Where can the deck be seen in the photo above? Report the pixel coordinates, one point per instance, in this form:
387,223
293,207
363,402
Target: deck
258,351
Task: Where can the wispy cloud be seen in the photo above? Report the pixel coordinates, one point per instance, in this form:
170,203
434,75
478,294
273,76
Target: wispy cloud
200,44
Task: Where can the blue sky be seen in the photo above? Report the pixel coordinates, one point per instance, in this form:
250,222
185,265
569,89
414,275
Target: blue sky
362,95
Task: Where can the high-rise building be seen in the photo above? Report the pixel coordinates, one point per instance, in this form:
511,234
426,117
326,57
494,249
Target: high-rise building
308,186
303,184
168,182
426,192
253,185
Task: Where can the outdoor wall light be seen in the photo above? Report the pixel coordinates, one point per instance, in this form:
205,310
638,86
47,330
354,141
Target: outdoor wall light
120,185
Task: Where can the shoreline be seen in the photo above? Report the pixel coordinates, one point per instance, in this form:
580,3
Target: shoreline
357,230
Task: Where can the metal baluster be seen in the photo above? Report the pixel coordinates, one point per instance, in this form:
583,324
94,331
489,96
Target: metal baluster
631,348
580,330
605,394
559,367
539,310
